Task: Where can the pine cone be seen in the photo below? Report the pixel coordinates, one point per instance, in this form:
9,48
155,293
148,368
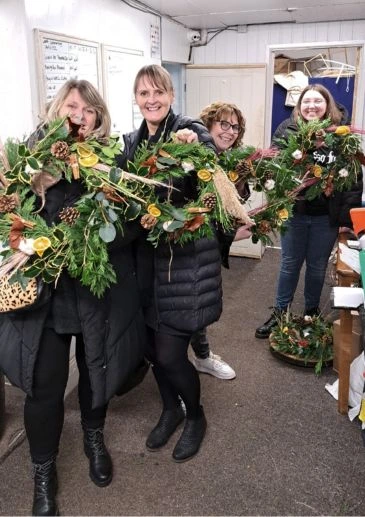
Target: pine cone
69,215
209,200
8,203
148,221
244,168
265,227
60,150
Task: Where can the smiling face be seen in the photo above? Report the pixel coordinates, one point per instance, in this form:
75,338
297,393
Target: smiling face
313,105
154,103
225,132
79,111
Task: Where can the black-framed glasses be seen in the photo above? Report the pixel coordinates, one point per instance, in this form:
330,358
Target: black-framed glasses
226,126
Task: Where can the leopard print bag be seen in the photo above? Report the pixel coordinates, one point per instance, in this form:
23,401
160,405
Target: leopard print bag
14,298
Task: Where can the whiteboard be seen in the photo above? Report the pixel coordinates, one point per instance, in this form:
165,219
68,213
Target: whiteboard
60,58
120,68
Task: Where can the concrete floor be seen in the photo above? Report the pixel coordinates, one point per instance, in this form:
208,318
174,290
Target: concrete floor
275,445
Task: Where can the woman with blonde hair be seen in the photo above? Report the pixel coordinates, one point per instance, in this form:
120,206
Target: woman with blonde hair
109,331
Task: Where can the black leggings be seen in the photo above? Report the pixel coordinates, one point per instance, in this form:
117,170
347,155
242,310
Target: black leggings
174,373
44,411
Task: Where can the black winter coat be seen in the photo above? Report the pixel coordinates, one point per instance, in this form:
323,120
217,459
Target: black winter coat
338,205
181,285
112,326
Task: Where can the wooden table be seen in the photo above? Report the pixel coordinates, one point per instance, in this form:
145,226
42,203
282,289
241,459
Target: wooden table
347,277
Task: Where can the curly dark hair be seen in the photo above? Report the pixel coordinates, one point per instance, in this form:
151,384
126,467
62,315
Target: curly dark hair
219,111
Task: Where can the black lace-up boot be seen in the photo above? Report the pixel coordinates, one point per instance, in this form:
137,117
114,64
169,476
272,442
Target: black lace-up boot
101,467
191,438
264,331
165,428
45,488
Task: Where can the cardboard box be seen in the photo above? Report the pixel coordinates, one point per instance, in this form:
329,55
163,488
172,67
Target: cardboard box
356,347
282,65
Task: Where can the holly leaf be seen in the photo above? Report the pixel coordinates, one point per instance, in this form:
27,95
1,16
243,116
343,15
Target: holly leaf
107,152
115,174
133,210
32,162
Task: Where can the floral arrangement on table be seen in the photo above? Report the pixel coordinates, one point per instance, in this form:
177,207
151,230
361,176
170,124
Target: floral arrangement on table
317,159
217,201
307,339
79,241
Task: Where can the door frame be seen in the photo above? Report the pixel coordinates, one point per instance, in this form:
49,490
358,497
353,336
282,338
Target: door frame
359,91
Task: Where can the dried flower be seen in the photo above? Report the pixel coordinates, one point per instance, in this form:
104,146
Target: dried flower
283,214
297,155
40,245
269,184
343,173
187,166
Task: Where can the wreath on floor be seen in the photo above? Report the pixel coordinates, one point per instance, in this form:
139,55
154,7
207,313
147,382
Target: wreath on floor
305,341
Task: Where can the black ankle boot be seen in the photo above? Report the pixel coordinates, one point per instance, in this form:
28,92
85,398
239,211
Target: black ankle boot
45,488
101,467
314,311
165,428
264,331
191,439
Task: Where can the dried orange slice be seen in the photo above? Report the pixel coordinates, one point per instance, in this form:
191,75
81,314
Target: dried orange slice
84,151
152,209
204,175
40,245
89,161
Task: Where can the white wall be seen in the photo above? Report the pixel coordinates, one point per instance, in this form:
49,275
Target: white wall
15,90
110,22
231,47
243,48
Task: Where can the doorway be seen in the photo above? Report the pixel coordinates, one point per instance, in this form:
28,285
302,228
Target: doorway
337,65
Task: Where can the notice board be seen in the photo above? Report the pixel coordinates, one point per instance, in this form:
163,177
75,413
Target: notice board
60,58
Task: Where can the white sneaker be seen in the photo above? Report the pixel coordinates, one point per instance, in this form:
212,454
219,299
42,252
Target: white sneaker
214,365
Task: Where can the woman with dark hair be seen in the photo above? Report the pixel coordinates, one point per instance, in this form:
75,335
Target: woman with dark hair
109,331
312,230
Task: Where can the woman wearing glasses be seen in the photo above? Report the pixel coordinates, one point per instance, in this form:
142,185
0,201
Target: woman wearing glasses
226,125
312,230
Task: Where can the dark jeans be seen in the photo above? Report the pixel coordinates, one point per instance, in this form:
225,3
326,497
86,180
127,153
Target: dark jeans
310,239
44,411
200,344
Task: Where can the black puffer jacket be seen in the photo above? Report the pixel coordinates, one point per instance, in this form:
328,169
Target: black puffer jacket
112,326
181,285
338,205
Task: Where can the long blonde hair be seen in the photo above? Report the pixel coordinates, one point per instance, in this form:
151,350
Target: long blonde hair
91,96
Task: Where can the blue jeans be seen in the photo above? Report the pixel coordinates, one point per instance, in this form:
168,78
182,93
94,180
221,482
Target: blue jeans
310,239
